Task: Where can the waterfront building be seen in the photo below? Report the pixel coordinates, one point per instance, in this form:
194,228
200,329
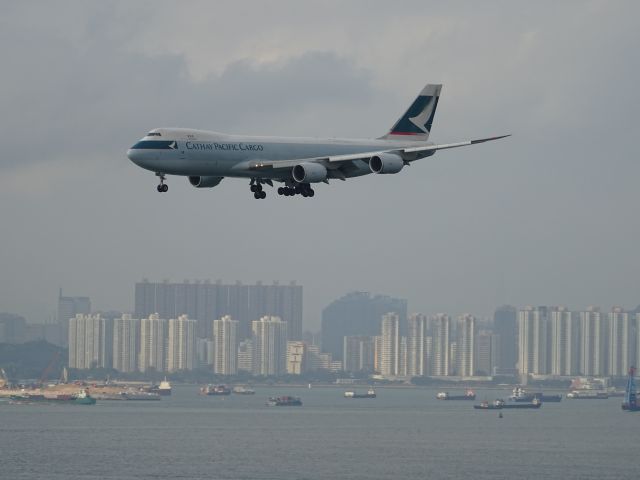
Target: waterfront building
486,352
153,335
269,346
358,353
296,357
441,347
87,342
245,355
619,339
532,341
592,342
69,307
357,313
181,344
465,343
417,333
225,335
563,342
390,355
505,324
206,301
125,343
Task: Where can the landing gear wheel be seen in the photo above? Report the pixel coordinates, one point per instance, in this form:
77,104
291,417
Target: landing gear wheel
311,193
256,195
160,188
253,188
165,187
263,194
280,191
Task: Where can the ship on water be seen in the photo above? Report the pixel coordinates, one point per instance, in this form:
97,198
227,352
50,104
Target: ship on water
243,390
284,401
215,390
520,394
371,393
467,395
630,403
500,404
164,389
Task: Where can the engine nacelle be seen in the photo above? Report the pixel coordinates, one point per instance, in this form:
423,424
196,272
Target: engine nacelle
204,182
309,172
386,163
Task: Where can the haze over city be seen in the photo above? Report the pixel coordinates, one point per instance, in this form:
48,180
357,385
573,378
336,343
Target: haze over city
545,217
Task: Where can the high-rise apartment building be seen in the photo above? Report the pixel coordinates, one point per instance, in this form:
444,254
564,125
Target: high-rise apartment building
592,342
417,333
296,357
563,342
225,337
358,353
206,301
532,341
181,344
619,340
153,336
269,346
441,324
69,307
357,313
466,343
505,324
88,345
245,355
390,356
486,352
125,343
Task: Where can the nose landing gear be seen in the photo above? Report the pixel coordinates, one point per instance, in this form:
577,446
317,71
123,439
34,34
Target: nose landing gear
162,187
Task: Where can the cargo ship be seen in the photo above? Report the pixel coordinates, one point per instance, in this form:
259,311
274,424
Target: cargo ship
588,395
215,390
163,389
285,401
138,395
371,393
500,404
468,395
520,394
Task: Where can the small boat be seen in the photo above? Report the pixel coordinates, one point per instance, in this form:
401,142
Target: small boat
468,395
371,393
243,390
83,398
215,390
284,401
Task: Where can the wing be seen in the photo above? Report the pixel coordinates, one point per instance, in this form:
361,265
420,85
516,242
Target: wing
337,159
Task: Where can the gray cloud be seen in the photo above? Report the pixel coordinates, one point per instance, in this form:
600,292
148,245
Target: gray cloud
544,217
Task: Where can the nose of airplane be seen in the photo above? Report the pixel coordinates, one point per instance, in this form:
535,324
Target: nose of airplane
134,155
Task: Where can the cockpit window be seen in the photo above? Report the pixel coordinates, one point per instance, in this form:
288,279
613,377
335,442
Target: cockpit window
153,134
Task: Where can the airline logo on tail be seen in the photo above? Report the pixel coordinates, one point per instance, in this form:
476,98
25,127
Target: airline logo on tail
418,119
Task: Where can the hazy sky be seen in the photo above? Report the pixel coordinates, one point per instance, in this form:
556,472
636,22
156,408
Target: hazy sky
549,216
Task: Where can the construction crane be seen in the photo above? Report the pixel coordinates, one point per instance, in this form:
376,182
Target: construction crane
46,371
630,395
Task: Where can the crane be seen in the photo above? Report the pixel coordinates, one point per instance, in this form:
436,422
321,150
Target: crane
52,362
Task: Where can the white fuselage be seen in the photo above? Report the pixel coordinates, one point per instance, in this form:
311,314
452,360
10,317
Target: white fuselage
187,152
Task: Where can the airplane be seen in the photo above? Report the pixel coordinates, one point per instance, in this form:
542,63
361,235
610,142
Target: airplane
297,162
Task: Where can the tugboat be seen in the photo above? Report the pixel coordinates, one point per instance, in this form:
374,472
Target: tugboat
468,395
83,398
215,390
371,393
285,401
630,403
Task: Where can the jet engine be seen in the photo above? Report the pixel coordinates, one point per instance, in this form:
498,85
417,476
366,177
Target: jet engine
386,163
309,172
205,182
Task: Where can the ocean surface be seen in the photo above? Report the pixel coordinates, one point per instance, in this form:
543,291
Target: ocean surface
402,434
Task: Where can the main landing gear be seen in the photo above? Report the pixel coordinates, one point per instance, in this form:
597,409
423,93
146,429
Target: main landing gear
256,188
303,189
162,187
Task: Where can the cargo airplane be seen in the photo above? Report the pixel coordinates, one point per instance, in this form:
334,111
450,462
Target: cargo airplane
297,163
